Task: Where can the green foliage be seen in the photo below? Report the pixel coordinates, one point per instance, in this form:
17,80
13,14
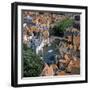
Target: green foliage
64,24
33,65
60,27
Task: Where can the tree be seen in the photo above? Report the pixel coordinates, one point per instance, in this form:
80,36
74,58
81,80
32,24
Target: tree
33,65
61,26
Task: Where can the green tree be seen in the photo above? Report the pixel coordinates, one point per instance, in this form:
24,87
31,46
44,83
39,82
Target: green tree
33,65
64,24
61,26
